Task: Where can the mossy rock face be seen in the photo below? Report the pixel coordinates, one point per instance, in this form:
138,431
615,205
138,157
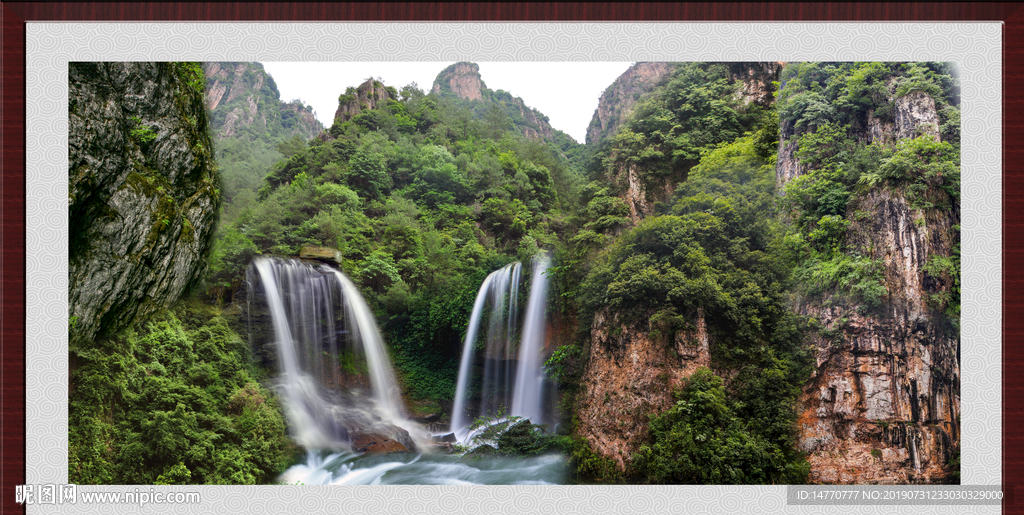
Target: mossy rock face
143,191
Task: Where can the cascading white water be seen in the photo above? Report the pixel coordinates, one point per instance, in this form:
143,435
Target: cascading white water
315,312
505,370
309,414
382,377
495,393
497,281
303,302
526,401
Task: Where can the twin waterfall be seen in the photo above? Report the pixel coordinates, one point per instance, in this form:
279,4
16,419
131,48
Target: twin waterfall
504,391
335,375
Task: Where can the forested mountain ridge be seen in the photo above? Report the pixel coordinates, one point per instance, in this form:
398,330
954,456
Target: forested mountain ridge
249,120
501,110
422,198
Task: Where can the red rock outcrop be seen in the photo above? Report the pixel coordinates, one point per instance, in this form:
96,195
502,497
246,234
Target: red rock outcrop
632,371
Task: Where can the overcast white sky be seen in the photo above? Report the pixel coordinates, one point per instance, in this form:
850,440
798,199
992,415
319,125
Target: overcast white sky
566,92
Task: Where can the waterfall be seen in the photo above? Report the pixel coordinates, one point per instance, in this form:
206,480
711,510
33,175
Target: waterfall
494,289
382,377
511,380
494,391
526,401
322,331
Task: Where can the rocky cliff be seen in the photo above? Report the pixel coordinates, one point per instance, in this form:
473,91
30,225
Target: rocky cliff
631,373
241,94
462,81
356,100
616,102
883,404
143,191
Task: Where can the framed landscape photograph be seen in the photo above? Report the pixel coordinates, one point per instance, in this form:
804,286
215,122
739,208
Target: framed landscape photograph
736,267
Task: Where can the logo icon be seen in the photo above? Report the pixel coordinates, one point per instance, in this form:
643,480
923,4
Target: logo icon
46,494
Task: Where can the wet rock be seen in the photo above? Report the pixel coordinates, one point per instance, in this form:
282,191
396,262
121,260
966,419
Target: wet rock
450,437
323,254
375,443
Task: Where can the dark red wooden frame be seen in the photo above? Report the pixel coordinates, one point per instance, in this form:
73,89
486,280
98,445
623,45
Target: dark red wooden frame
12,131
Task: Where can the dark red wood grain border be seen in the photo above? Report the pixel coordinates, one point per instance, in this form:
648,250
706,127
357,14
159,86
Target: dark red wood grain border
12,131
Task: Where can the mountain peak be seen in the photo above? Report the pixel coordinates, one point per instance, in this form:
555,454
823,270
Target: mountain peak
462,79
356,100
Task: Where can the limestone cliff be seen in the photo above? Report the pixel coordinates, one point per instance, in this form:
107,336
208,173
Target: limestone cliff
461,79
143,191
882,403
631,372
756,81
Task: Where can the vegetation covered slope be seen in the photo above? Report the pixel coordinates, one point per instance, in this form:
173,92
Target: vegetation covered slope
697,288
423,199
848,270
249,120
870,161
176,400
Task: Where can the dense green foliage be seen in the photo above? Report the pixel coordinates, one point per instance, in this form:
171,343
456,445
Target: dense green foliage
173,401
669,129
814,94
715,252
426,194
705,439
423,198
827,108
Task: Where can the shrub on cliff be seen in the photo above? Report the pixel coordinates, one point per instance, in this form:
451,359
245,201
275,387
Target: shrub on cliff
704,439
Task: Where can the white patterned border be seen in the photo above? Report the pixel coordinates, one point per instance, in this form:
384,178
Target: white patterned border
50,46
